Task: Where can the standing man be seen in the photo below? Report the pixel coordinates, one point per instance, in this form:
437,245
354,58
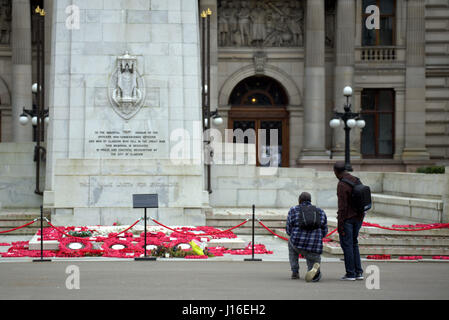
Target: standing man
306,226
349,224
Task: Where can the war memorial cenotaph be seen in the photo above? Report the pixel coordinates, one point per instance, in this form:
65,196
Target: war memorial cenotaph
126,112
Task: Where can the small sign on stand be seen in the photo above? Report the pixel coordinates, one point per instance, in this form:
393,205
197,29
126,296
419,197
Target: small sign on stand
145,201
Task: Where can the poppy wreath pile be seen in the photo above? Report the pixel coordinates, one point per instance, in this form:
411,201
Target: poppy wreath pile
74,246
440,257
410,258
85,242
379,257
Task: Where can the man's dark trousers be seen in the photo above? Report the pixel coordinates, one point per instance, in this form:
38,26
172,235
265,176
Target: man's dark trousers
293,254
350,245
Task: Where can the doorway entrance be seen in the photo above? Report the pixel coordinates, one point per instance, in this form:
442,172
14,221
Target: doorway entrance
258,104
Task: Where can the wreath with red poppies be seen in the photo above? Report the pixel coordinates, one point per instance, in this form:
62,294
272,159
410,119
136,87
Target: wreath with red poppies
72,245
117,244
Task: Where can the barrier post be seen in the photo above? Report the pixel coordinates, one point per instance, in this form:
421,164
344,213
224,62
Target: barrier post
145,201
252,255
145,257
42,239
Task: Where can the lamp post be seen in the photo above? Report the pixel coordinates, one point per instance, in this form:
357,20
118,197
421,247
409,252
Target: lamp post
205,89
350,120
38,114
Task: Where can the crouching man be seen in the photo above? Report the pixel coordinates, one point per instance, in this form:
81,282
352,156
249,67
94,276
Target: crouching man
306,226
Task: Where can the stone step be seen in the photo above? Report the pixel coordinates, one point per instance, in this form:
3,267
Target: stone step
334,248
12,218
398,241
332,224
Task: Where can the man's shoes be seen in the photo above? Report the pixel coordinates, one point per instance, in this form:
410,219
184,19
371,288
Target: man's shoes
359,277
317,277
346,278
312,272
295,275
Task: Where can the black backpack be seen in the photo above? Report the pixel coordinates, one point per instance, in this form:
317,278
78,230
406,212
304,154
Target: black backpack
309,218
360,196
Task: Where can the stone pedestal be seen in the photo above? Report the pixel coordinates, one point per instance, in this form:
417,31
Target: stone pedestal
126,113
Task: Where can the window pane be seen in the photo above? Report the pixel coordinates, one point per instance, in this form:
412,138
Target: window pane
386,100
386,31
271,154
368,36
385,134
368,100
367,3
247,133
368,136
387,6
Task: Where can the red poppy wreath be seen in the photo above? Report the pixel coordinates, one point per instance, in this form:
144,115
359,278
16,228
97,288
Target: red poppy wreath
71,245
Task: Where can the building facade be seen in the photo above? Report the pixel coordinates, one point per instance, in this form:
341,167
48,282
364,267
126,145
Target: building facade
274,64
310,50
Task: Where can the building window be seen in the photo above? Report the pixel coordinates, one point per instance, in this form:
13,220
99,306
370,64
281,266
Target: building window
378,112
384,36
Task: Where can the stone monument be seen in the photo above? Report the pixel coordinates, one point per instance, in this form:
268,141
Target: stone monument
126,112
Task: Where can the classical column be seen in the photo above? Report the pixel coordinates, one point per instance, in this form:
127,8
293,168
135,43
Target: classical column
415,84
314,88
399,127
21,68
344,63
445,197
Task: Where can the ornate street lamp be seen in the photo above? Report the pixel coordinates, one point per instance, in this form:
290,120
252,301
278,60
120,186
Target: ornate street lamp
350,120
38,114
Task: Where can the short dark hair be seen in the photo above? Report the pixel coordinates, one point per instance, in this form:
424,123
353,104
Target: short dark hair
339,167
305,196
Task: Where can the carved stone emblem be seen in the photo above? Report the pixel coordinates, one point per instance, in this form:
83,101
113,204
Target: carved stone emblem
126,87
260,58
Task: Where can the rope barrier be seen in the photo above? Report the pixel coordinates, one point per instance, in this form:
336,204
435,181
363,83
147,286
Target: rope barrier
80,238
284,238
441,226
200,234
367,224
21,227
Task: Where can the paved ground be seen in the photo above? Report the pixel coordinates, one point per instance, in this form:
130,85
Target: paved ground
215,280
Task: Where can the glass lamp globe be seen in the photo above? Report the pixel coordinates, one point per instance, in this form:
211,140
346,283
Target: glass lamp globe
361,123
347,91
34,87
334,123
47,120
218,121
351,123
34,121
23,120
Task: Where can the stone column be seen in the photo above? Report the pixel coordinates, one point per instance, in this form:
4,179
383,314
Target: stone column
445,197
399,127
344,64
415,84
21,68
314,88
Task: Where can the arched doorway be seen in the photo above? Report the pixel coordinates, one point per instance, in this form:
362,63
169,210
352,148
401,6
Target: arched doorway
259,103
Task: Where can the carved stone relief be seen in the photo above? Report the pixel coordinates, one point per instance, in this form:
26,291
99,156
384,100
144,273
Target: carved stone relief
260,23
5,21
126,87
